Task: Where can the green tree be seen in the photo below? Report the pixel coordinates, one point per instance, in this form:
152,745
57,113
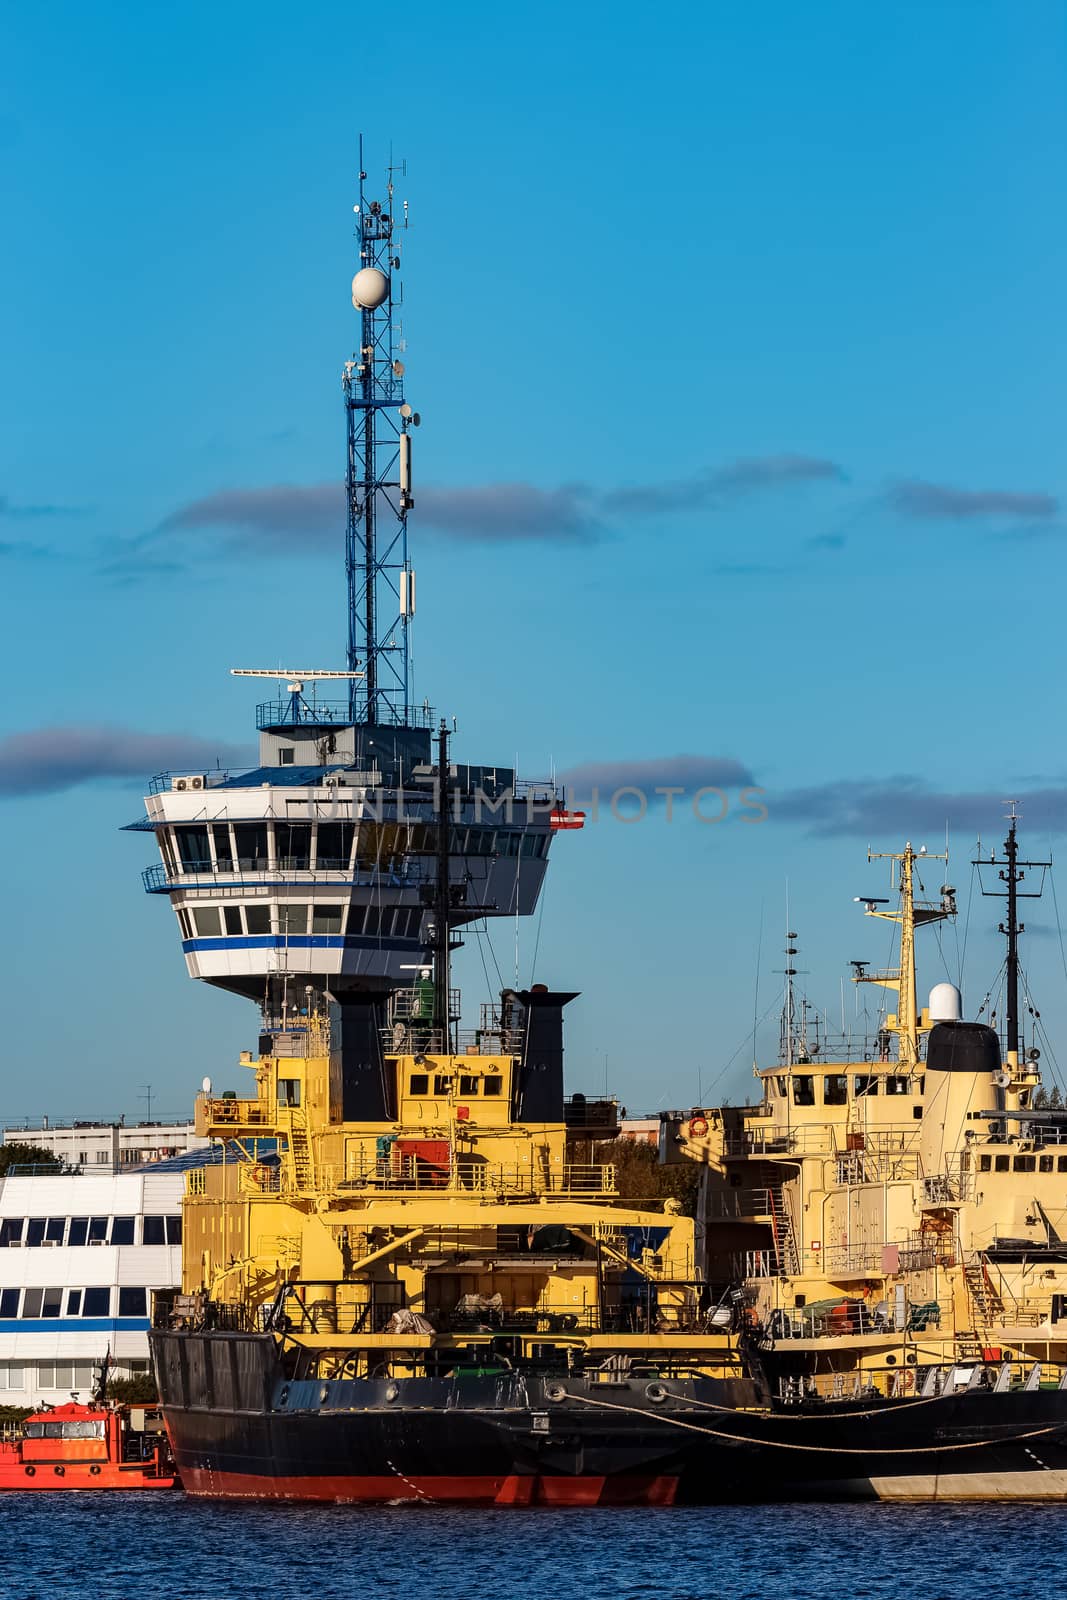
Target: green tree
1055,1099
26,1155
138,1391
1040,1100
640,1176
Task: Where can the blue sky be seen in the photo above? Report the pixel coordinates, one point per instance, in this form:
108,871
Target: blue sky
739,347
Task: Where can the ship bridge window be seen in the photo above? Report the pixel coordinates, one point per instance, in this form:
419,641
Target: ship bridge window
95,1302
442,1083
419,1083
1061,1163
334,848
1044,1164
1025,1164
207,921
133,1302
251,841
223,851
193,849
895,1084
293,843
1001,1164
289,1091
231,916
804,1089
533,844
468,1084
257,919
493,1086
866,1083
11,1231
327,919
286,755
122,1230
835,1089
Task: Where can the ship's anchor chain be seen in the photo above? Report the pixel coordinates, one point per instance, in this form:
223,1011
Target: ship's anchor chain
419,1493
811,1449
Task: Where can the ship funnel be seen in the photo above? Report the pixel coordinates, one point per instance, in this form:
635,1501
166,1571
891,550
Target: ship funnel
946,1003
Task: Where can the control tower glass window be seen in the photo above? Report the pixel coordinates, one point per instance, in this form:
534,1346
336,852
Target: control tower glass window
251,841
334,846
257,919
223,852
193,849
293,841
327,919
207,921
292,919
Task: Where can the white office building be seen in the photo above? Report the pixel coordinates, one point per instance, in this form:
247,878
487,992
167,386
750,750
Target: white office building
80,1255
107,1144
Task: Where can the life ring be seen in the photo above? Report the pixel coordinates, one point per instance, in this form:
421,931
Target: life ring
907,1381
698,1127
31,1472
260,1174
555,1392
656,1392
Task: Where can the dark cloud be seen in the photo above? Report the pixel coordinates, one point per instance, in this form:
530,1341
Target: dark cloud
273,518
906,806
658,772
913,498
717,484
48,760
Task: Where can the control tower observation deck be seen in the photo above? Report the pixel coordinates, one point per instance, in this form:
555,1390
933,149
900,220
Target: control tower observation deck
325,863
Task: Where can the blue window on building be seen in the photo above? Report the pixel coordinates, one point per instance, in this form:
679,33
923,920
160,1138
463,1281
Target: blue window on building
11,1231
96,1302
122,1230
9,1302
79,1230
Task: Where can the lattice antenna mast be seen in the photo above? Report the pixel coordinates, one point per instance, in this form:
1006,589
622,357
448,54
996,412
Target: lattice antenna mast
381,584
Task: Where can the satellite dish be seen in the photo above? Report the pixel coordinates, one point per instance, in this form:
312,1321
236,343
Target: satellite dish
398,369
206,1085
370,289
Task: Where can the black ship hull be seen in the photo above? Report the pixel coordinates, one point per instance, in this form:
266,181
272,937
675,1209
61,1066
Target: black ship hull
239,1426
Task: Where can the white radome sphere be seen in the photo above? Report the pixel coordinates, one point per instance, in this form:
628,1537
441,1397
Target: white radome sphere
370,289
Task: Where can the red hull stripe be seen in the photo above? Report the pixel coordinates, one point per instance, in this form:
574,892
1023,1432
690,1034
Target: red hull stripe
507,1491
76,1475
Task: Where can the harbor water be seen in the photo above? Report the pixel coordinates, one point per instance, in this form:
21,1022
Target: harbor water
117,1547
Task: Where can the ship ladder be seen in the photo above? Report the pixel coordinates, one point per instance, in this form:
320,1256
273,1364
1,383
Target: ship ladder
300,1151
786,1259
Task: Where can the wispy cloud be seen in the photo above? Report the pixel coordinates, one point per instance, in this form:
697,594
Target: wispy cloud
905,805
11,508
649,773
48,760
914,498
716,485
273,518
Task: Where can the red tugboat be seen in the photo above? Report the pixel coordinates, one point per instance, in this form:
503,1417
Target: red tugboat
89,1447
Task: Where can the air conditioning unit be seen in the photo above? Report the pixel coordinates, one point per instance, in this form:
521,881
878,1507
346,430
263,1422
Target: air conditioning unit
196,781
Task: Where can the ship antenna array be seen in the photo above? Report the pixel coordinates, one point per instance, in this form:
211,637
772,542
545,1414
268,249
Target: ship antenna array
381,583
1011,872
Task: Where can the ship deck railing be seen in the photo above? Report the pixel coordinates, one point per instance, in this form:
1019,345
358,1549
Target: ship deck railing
409,1173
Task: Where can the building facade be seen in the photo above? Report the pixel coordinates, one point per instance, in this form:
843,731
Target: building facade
109,1145
80,1255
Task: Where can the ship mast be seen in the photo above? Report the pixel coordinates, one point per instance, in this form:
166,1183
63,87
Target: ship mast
1012,871
907,1023
381,584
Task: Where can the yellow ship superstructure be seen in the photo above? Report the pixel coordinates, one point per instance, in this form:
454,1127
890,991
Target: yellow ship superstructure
896,1211
459,1227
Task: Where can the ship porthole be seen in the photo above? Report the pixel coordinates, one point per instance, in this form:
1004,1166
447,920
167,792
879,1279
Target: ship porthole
391,1392
94,1471
31,1472
555,1392
656,1393
59,1471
